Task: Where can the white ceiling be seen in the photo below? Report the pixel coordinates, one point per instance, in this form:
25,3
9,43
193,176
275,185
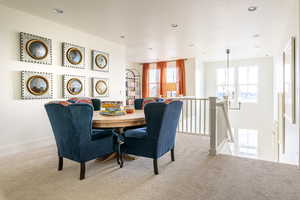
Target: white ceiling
210,25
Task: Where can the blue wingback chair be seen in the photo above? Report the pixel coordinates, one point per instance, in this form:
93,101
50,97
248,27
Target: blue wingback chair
95,102
75,138
138,103
158,137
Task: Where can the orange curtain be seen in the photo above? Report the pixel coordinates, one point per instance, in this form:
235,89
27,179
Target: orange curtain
162,66
145,80
181,89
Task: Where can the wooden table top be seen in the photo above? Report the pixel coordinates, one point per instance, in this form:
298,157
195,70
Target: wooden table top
135,119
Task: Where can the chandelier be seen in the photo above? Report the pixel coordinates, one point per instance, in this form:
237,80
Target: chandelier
229,94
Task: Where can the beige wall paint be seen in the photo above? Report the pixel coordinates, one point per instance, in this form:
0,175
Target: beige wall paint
23,123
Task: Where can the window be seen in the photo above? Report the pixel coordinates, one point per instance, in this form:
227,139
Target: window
154,79
242,83
171,79
248,84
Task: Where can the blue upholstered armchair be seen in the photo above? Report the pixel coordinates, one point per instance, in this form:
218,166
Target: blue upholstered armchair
75,138
158,137
95,102
138,103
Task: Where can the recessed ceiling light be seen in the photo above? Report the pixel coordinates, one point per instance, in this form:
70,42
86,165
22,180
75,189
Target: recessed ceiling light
58,11
150,48
256,35
252,8
174,25
122,36
191,45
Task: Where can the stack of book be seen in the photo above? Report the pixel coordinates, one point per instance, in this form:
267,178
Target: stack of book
112,109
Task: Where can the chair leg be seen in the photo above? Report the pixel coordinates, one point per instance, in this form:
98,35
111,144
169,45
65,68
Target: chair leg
60,163
155,166
121,160
120,154
172,155
82,170
118,158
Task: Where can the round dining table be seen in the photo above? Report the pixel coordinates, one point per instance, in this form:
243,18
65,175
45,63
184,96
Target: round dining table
118,123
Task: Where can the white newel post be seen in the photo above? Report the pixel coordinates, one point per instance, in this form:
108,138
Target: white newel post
226,103
212,125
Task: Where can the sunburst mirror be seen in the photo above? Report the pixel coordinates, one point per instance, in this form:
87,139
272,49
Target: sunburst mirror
74,86
100,61
101,87
35,49
36,85
73,56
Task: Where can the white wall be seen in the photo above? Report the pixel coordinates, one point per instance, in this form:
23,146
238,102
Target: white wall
190,76
200,79
291,154
195,79
258,115
23,123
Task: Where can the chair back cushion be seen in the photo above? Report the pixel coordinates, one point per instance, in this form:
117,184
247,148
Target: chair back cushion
71,125
148,100
167,101
138,104
80,100
96,104
162,120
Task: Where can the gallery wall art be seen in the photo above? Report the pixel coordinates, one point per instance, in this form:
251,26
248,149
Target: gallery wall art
36,85
100,87
100,61
73,56
39,85
35,49
73,86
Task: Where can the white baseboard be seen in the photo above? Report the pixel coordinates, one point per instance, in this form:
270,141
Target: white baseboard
10,149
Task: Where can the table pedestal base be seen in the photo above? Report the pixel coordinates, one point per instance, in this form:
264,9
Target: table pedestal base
114,156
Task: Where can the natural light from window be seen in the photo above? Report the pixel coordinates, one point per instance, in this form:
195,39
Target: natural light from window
171,79
242,83
247,142
154,76
248,78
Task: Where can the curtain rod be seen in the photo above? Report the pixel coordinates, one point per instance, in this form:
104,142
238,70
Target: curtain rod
164,61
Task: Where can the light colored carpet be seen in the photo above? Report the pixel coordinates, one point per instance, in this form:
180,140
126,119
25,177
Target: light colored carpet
193,176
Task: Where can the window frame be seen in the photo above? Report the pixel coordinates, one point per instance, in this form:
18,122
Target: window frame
172,65
156,82
247,84
236,85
